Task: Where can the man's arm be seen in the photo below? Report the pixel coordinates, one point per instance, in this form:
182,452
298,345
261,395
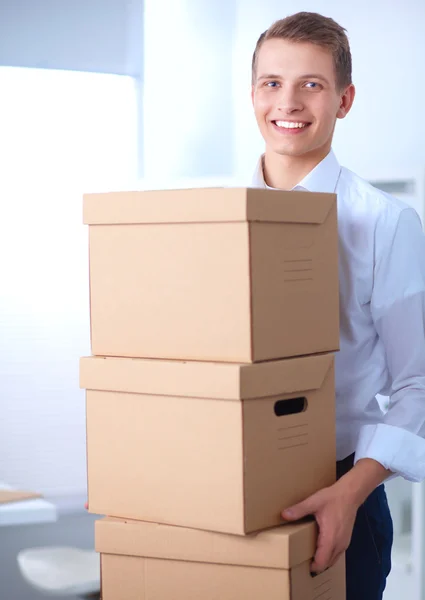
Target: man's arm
396,445
398,311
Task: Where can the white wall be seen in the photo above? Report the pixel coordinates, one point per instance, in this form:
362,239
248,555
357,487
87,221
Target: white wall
62,133
99,36
385,128
102,36
187,89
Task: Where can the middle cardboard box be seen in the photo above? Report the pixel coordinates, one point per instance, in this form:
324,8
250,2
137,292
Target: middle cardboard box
215,446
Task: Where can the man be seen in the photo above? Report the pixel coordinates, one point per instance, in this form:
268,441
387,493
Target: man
301,84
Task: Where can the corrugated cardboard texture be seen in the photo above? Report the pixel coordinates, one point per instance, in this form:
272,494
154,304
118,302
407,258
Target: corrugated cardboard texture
165,377
7,496
203,379
279,548
123,578
288,457
202,462
142,561
165,459
205,205
153,579
294,285
167,291
329,585
216,275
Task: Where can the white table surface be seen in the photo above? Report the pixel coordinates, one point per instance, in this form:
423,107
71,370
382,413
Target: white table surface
26,512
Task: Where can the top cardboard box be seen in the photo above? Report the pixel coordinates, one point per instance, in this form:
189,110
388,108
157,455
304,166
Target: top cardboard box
232,274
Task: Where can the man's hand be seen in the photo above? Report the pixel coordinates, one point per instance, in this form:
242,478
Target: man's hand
335,509
335,515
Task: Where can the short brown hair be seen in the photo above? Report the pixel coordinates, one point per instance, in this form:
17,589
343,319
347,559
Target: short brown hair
315,29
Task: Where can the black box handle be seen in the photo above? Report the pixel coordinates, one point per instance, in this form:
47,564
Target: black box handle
291,406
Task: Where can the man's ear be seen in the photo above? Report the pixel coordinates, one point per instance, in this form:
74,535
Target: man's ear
347,99
252,94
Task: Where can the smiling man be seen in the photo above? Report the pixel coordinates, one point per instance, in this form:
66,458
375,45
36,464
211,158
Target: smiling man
301,85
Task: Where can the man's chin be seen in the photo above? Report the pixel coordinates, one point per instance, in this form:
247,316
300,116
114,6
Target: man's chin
288,151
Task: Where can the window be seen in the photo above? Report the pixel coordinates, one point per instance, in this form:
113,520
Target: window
62,133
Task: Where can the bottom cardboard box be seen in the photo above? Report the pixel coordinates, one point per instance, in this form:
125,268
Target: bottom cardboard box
148,561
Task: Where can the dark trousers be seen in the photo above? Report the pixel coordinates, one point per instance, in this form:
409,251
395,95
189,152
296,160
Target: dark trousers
368,558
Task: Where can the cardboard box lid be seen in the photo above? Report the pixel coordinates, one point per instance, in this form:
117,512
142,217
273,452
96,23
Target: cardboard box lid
8,496
227,381
282,547
206,205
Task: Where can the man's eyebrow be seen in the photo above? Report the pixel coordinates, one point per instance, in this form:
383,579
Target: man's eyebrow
269,76
314,76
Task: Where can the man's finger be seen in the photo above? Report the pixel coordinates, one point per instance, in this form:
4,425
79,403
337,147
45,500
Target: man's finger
335,558
298,511
324,553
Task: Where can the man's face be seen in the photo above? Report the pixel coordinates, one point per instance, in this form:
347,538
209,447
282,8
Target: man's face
295,98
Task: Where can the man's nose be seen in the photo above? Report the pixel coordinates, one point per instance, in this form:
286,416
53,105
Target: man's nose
289,101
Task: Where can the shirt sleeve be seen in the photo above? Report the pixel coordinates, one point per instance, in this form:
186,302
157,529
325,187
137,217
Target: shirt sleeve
398,311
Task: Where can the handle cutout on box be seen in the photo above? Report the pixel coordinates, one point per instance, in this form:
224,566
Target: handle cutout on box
292,406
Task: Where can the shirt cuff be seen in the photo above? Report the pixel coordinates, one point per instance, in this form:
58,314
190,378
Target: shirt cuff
397,449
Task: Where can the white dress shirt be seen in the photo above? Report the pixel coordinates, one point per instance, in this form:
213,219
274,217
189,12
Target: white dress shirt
382,321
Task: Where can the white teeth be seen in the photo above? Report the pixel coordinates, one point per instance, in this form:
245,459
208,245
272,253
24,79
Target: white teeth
290,125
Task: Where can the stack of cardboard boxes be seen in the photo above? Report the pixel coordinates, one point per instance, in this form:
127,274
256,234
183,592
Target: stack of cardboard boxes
210,392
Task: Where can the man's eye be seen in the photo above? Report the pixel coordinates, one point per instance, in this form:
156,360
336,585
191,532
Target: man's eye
312,85
272,84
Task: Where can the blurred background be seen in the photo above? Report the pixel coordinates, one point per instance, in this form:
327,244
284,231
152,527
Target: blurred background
119,94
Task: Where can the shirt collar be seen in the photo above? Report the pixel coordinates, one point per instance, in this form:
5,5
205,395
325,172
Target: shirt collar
323,178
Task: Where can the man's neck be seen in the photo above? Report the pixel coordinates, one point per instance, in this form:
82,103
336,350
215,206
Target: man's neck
285,172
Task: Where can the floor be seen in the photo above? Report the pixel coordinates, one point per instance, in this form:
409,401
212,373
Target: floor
75,530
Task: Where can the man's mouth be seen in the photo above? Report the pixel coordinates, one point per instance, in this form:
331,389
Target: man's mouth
295,126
